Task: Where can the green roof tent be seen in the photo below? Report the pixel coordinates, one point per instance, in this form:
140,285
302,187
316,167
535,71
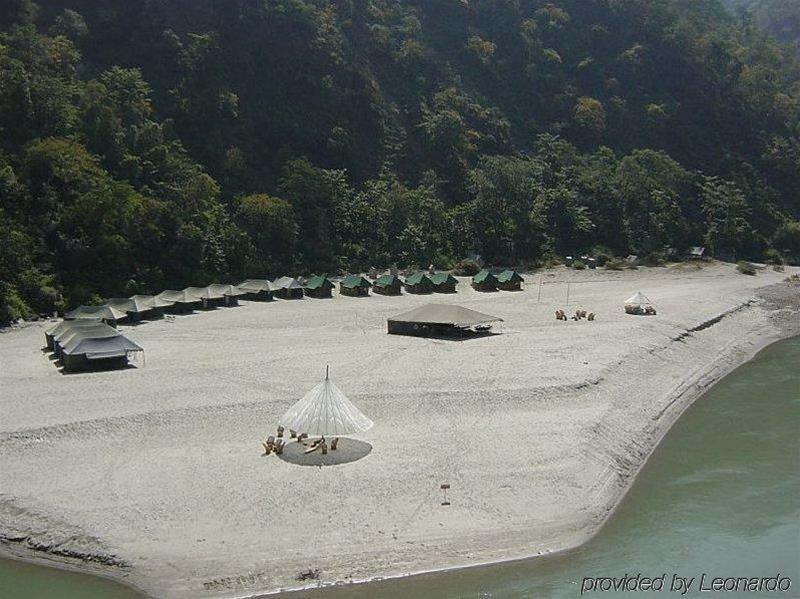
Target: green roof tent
319,286
354,285
444,282
388,285
484,281
510,280
419,282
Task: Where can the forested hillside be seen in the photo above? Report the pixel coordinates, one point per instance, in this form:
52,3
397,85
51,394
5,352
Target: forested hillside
161,143
778,18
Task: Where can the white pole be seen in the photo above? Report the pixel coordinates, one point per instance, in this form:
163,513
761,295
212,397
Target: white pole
567,292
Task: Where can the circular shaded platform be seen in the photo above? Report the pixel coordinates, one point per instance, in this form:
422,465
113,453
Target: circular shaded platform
348,450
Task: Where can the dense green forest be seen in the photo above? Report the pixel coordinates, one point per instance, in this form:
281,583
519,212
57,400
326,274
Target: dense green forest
160,143
778,18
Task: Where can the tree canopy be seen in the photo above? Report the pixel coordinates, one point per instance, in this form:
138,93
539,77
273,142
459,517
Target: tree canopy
146,145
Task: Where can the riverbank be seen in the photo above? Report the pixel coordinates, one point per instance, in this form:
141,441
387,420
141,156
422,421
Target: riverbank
539,431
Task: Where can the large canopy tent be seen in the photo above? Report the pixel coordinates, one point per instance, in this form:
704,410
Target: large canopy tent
230,293
107,314
354,285
319,286
325,411
419,282
440,319
444,282
182,301
484,281
510,280
91,351
287,288
388,285
257,289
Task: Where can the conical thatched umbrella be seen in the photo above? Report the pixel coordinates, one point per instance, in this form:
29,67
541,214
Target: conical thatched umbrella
325,411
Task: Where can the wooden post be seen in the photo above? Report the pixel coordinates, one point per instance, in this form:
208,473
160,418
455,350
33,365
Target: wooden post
539,297
444,488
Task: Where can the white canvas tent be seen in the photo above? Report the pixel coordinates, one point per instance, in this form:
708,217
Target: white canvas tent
325,411
638,299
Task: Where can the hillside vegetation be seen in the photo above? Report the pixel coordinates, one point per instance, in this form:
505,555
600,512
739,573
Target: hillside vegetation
155,144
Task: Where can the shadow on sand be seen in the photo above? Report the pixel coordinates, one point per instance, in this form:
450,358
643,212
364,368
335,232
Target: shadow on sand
348,450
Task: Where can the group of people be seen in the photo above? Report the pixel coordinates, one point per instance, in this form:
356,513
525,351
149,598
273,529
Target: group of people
579,314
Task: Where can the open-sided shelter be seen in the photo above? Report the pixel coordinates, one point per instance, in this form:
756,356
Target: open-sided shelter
419,282
287,288
180,301
257,289
510,280
444,282
106,313
319,286
446,320
484,281
388,285
354,285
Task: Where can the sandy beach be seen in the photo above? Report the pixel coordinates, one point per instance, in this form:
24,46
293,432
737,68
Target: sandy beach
154,475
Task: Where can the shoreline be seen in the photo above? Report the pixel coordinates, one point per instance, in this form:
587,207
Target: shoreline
673,403
713,381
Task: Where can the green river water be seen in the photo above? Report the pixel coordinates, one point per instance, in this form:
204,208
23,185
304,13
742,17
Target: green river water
720,497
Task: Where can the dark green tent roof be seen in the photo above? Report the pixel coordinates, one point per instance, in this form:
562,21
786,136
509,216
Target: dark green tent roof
319,282
509,276
351,281
387,280
417,278
484,277
441,278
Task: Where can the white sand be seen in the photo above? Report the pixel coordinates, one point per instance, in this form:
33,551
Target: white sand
539,431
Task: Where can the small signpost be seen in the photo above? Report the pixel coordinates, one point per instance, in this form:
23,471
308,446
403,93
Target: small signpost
444,488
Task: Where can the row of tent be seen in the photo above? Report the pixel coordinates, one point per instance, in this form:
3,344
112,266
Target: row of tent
139,307
89,344
507,280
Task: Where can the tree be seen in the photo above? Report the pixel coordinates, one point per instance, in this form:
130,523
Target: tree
270,223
